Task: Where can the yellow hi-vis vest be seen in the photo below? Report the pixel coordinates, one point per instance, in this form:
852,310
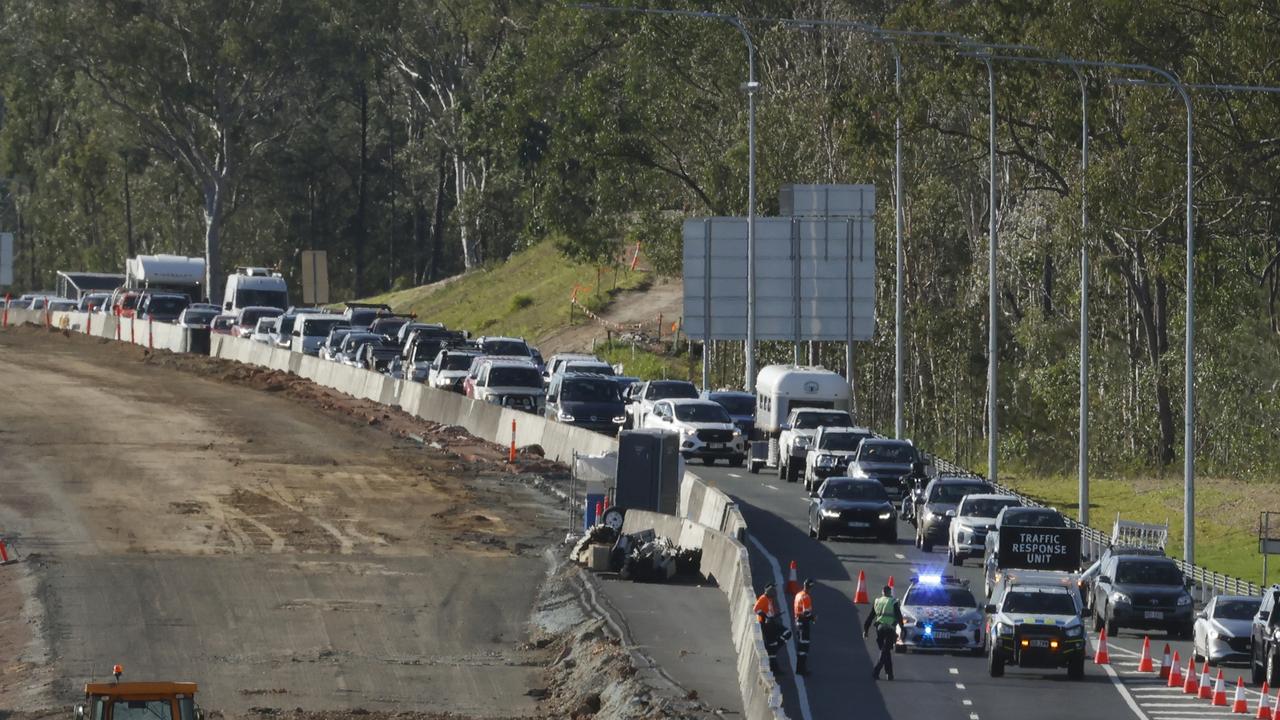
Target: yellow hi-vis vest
883,607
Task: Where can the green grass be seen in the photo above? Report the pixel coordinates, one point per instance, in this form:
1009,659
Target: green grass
527,296
645,364
1226,512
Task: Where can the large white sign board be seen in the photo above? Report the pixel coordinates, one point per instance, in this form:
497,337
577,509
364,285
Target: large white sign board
815,278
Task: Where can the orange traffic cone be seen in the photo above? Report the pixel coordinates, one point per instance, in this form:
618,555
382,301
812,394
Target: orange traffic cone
1164,663
1219,693
793,585
1175,674
1264,703
1102,657
1144,663
1240,704
1206,684
860,595
4,553
1192,684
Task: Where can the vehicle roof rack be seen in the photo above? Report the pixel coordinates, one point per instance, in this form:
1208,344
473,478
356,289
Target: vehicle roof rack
1128,533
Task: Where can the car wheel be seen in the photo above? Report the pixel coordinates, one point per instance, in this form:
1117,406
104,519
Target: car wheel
1255,669
926,544
793,474
1075,668
754,467
708,461
1113,627
995,663
1097,621
956,560
820,534
782,470
736,461
811,532
1186,631
1273,672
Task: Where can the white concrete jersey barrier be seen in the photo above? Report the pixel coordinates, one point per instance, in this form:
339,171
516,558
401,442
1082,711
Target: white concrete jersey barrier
709,519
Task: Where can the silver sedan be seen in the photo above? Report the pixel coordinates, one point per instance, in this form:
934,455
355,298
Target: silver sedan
1222,629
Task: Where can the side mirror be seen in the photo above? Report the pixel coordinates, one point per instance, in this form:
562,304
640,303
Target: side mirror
784,426
199,713
79,712
951,513
1264,615
989,609
1202,615
227,306
1104,579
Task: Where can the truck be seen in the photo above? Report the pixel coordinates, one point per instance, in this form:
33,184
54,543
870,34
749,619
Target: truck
130,700
166,272
780,390
255,287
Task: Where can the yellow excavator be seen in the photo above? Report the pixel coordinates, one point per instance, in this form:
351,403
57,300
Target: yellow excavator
139,700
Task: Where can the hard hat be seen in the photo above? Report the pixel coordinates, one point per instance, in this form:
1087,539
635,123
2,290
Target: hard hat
808,583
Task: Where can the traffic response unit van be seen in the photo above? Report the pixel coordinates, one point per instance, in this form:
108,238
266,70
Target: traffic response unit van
783,388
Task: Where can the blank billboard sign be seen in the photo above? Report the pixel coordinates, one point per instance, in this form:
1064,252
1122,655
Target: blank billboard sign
6,259
815,278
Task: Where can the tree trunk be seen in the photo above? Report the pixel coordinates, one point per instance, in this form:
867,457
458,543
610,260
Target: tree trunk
128,214
362,192
1046,299
464,229
212,234
437,221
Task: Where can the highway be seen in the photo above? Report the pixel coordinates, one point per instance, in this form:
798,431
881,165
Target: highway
937,686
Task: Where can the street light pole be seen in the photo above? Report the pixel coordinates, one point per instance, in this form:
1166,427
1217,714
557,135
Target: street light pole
992,304
898,354
751,86
1084,299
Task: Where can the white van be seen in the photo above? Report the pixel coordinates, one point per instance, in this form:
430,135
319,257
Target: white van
310,331
255,287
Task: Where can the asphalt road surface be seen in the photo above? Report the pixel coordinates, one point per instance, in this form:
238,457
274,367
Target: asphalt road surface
937,686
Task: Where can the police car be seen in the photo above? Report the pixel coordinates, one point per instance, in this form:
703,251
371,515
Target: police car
940,613
1036,626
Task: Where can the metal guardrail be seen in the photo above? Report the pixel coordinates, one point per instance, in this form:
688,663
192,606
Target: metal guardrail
1207,583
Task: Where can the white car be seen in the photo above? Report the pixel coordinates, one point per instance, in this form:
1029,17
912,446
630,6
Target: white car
975,517
265,331
830,453
941,613
643,398
449,369
510,383
797,436
1224,628
706,430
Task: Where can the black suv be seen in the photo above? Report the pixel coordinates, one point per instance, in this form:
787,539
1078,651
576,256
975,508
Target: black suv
1142,591
1264,639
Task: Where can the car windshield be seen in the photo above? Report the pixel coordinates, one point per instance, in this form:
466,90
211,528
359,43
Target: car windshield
702,413
1039,603
812,420
1035,518
986,507
264,298
515,377
840,442
337,335
887,452
954,492
1237,609
201,315
737,404
852,490
141,710
505,347
223,322
1147,572
589,367
456,361
320,327
355,339
129,302
671,391
590,390
251,316
167,305
939,596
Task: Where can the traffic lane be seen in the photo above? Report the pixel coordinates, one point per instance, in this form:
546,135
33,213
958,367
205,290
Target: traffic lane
926,682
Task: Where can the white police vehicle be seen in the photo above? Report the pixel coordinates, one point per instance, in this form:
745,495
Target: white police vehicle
940,613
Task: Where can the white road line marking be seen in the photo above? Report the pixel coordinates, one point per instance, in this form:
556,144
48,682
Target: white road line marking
966,702
770,486
801,691
953,671
1124,692
734,475
973,716
959,686
900,556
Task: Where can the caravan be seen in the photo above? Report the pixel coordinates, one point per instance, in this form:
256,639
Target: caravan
783,388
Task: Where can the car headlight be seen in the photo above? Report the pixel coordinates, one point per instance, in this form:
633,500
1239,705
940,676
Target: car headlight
565,417
1184,600
829,513
885,515
826,461
737,432
689,432
1000,629
803,441
620,419
1075,631
1119,597
1214,634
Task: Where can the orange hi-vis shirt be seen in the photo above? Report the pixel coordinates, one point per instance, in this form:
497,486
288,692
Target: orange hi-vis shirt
803,603
764,604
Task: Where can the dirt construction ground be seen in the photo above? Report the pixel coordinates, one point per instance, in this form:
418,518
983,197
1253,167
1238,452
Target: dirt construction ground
281,545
